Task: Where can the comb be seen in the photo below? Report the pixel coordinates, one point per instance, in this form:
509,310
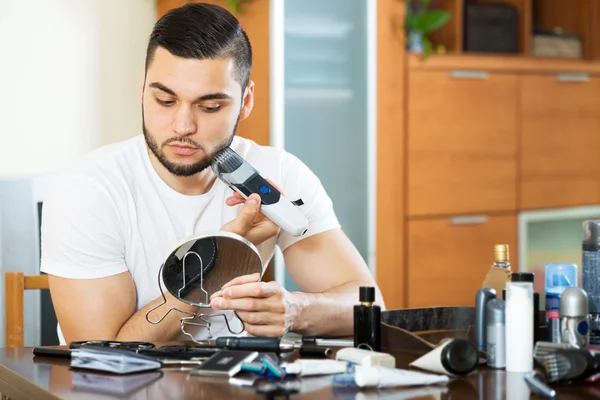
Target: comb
569,365
542,348
556,367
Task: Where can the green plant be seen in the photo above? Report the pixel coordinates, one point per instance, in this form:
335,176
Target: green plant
235,5
422,18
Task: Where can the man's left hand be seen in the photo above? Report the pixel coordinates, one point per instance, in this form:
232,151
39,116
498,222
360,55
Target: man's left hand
266,308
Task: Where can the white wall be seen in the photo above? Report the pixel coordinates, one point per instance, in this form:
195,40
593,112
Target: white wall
70,76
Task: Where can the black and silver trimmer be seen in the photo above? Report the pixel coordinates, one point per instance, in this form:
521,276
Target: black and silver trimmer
240,176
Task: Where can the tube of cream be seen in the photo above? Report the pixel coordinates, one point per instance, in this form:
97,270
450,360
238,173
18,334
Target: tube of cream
316,367
381,377
452,357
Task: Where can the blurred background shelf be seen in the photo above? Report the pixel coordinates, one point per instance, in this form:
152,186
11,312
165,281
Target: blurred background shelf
580,18
502,62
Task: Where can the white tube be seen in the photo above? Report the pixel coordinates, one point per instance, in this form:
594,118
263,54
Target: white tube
316,367
380,377
519,327
432,360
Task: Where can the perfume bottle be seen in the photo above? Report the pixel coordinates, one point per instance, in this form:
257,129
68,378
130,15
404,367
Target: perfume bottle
367,320
500,273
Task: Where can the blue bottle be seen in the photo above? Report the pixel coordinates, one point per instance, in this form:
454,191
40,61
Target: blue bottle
558,278
590,274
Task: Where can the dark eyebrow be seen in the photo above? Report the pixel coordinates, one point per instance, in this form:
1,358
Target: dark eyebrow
160,86
209,96
214,96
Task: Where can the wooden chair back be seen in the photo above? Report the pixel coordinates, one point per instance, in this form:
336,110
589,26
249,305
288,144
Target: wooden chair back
15,284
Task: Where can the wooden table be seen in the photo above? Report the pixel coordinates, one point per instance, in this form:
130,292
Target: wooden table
24,377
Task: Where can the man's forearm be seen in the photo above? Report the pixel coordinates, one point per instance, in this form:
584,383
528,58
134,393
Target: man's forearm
329,313
138,329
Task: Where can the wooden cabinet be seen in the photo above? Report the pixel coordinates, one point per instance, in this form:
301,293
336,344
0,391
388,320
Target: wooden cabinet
596,30
560,141
578,17
449,258
462,134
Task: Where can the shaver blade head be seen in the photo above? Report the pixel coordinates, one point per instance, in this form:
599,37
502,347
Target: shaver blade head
226,161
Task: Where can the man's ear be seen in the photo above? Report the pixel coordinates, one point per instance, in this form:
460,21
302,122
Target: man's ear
248,101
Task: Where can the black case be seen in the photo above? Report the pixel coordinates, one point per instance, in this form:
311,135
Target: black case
491,28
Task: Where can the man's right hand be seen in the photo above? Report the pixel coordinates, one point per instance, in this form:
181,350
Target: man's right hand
251,223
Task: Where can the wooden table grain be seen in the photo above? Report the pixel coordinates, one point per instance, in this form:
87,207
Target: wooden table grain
23,376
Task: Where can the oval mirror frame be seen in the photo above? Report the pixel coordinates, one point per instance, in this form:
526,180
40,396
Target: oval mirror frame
201,264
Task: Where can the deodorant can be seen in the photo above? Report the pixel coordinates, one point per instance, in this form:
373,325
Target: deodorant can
574,319
558,278
590,274
496,343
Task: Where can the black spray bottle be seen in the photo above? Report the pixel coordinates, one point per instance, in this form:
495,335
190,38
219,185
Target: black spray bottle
367,320
590,274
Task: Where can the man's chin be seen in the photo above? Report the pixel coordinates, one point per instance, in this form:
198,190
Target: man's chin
186,169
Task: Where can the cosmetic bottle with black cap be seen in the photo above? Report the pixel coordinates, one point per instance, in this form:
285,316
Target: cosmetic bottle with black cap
367,320
529,277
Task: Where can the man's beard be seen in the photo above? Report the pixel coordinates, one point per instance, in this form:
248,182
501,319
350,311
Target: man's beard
179,169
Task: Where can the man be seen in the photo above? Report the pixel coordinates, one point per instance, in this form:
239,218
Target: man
109,223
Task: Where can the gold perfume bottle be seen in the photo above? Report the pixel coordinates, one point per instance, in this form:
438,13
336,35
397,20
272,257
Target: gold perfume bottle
500,272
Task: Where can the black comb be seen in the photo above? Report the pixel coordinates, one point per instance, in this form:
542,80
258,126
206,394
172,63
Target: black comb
569,365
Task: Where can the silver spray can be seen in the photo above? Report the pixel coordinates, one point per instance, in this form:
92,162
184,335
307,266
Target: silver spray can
496,342
574,318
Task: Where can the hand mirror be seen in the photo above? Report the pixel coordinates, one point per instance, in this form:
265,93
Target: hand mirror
199,267
202,264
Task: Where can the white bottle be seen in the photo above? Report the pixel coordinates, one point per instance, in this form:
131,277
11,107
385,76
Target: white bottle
519,326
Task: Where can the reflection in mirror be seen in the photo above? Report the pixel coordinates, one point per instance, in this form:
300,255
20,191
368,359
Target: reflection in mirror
198,268
203,264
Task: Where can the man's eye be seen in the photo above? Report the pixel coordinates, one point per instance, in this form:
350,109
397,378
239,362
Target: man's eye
211,109
165,103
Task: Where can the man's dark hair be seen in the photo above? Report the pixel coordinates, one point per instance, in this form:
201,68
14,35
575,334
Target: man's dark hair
203,31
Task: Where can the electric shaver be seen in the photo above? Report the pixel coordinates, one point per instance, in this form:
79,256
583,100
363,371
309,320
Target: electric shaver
240,176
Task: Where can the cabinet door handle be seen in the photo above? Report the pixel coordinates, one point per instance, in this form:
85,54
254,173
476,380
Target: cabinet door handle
469,74
573,77
469,220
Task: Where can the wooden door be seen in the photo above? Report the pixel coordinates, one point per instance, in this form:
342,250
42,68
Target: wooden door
448,258
560,141
462,134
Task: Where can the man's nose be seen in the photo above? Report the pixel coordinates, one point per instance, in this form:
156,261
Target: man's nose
184,123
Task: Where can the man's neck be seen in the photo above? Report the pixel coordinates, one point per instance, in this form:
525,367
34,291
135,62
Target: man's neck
194,185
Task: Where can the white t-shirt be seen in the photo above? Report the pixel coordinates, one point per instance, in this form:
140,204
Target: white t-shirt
113,213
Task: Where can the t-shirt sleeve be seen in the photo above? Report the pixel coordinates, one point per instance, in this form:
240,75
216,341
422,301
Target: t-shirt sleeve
81,231
299,182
